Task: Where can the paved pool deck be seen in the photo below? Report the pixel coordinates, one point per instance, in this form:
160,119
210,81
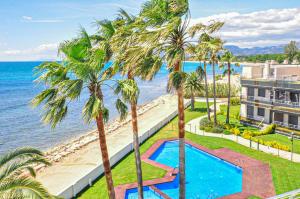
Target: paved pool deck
257,177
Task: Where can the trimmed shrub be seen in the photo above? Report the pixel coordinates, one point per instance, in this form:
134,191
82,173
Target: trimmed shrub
235,131
207,129
227,132
235,101
269,130
206,123
217,129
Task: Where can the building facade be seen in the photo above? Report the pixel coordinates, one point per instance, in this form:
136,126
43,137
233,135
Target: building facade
270,93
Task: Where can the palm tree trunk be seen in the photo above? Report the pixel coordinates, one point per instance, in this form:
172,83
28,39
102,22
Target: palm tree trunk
206,92
214,91
192,101
105,157
181,136
229,93
136,146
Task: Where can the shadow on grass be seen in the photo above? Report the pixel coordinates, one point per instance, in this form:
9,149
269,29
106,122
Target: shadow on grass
197,110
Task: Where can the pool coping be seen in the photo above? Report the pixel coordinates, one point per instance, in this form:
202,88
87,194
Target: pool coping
257,178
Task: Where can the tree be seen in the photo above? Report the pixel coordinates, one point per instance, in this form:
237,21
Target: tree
164,27
214,44
200,51
121,42
193,84
83,67
291,50
228,58
17,174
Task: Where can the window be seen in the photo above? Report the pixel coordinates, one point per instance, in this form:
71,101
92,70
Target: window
261,112
250,91
294,97
250,111
278,117
293,119
261,92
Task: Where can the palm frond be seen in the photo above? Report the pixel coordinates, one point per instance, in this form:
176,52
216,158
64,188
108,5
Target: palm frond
122,109
27,186
128,90
92,108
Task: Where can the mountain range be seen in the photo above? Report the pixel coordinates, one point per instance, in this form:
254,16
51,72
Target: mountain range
255,50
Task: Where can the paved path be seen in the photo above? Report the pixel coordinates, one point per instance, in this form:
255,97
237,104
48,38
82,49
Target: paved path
73,167
194,127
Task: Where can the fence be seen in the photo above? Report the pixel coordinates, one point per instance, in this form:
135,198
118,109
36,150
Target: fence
72,190
288,195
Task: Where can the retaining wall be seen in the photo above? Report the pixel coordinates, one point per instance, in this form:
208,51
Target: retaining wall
72,190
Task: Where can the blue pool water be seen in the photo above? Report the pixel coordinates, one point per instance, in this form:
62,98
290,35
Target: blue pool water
20,125
206,176
148,193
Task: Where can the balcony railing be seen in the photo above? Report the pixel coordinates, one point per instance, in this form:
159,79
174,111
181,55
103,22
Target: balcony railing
271,101
283,84
291,126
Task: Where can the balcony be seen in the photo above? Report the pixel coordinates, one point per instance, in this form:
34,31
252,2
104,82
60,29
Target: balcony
271,83
291,126
275,102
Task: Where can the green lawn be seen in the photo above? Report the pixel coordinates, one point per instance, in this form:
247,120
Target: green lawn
283,140
286,175
234,119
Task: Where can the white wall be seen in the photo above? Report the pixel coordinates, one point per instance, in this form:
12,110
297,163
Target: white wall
267,116
285,118
243,110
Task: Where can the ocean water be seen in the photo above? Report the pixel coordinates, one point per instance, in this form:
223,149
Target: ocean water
20,124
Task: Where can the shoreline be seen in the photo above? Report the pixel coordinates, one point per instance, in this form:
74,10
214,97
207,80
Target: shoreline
58,152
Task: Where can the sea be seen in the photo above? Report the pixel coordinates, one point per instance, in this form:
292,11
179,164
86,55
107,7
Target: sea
21,125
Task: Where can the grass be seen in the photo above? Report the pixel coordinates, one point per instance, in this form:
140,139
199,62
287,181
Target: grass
234,110
234,117
283,140
286,175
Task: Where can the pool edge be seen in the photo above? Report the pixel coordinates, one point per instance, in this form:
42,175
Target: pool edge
249,166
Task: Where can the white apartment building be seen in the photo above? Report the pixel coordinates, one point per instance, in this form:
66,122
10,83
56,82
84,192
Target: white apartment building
271,94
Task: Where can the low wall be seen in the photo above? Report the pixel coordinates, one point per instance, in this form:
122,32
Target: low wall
87,179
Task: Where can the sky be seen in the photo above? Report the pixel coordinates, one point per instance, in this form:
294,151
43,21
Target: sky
32,29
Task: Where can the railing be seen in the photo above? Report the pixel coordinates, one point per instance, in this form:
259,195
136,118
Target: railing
271,83
258,118
292,126
271,101
287,102
288,195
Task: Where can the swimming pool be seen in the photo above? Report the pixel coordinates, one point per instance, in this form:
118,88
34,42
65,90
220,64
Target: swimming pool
207,176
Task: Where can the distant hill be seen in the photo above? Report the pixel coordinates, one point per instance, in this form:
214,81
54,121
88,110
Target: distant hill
255,50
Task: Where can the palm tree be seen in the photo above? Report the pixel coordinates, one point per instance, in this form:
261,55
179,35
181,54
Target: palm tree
214,44
121,42
17,174
228,58
193,84
83,67
200,51
164,27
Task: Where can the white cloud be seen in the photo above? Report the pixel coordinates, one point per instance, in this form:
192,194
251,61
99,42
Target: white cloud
30,19
262,28
41,52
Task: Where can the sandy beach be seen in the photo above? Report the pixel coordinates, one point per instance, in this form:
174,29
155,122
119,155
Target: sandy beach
74,159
